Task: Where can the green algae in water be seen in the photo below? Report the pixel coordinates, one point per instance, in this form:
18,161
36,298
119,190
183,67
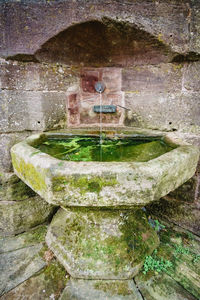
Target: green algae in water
89,149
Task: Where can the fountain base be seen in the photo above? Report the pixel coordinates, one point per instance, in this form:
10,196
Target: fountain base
107,244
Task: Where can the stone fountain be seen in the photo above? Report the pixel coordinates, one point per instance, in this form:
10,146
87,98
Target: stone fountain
100,233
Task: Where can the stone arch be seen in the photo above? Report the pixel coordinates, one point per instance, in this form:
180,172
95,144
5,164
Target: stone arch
104,42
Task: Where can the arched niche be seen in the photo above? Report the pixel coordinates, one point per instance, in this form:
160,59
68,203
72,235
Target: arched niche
104,43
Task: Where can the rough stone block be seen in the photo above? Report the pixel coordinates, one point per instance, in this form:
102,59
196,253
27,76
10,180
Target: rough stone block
19,216
177,212
161,78
179,111
6,142
17,266
195,28
53,110
36,77
191,76
48,284
13,189
28,268
13,113
188,192
29,110
26,239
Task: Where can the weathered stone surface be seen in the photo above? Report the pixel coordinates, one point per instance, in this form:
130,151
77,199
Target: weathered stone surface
6,142
180,213
176,236
48,284
36,77
27,25
31,110
186,272
191,76
161,287
18,216
70,183
17,266
190,138
178,111
105,43
195,27
12,188
161,78
181,248
188,191
102,244
78,289
23,240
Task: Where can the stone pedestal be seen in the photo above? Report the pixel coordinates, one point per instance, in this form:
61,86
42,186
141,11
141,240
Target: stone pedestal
107,244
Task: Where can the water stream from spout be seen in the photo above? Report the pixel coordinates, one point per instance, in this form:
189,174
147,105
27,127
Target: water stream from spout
100,127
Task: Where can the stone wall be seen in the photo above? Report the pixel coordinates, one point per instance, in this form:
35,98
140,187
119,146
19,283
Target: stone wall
32,99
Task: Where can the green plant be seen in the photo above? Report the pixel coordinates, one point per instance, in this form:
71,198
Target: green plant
155,263
179,249
158,226
190,236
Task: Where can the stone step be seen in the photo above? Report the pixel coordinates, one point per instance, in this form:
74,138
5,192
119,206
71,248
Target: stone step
23,240
78,289
46,285
161,287
17,266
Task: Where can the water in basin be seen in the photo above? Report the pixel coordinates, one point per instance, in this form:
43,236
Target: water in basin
82,148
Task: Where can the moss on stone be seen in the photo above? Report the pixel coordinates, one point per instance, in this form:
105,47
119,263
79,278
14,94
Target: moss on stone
59,183
33,177
56,271
114,288
83,184
12,188
137,235
93,184
19,216
36,235
119,240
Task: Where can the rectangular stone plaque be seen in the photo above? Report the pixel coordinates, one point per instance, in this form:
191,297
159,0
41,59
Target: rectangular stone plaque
104,108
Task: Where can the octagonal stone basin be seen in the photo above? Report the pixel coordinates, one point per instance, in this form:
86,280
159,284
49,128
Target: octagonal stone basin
100,231
118,184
